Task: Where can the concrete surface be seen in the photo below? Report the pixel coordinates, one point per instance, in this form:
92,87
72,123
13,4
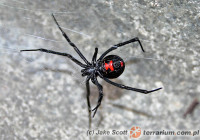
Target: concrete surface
40,102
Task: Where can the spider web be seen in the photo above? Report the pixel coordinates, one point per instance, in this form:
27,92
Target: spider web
34,28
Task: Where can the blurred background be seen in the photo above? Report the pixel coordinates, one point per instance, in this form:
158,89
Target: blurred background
43,96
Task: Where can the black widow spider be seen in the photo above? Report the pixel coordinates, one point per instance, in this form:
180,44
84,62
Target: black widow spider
111,66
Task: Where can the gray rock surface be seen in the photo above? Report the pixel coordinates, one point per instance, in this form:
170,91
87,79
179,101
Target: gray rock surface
43,96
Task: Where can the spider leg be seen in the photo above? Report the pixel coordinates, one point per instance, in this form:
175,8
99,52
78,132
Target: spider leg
71,43
88,100
94,56
121,44
100,95
128,88
59,53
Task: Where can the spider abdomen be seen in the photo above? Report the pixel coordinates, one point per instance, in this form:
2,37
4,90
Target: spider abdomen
113,66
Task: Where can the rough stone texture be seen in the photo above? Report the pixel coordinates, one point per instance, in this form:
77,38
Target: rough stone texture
38,103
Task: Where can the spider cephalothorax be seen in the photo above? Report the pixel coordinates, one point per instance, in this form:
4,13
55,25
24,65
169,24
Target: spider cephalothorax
106,67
